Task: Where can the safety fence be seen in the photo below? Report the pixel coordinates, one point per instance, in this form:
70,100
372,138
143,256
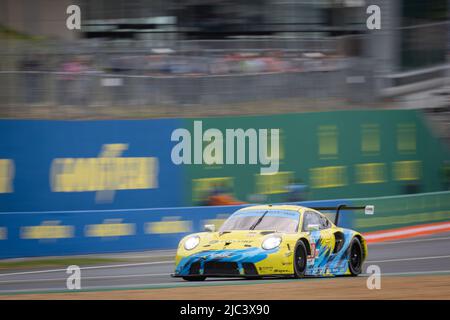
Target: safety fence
403,211
158,73
105,89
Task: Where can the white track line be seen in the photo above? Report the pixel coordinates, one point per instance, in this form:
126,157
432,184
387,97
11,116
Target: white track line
89,268
168,262
164,285
167,274
132,287
408,259
86,278
411,273
204,284
412,230
408,241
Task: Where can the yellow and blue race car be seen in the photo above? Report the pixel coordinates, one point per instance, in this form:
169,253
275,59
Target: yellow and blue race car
273,241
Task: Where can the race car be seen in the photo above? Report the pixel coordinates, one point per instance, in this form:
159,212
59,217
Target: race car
273,241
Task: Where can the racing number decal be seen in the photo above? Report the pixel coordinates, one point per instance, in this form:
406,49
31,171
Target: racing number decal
320,241
326,238
314,251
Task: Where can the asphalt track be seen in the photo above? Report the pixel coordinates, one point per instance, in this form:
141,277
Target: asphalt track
426,255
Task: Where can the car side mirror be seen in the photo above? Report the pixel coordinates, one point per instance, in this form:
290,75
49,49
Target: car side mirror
369,210
210,228
312,227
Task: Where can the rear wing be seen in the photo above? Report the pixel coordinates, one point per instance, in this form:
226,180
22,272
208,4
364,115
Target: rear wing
369,210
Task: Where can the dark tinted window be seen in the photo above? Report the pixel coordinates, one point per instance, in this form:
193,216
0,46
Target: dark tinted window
324,223
311,217
274,220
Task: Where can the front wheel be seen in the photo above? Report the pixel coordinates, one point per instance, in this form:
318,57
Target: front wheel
355,257
300,257
199,278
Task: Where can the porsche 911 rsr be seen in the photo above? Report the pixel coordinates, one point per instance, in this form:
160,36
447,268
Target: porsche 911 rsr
273,241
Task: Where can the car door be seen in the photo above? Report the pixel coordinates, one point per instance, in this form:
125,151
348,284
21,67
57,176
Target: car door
326,232
320,238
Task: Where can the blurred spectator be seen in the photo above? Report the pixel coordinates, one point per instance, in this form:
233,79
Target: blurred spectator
220,195
296,190
87,80
194,63
72,81
33,78
121,67
137,77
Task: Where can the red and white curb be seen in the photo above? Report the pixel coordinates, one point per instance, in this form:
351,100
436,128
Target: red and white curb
407,232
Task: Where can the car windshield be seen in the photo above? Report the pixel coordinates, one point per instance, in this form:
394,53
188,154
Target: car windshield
274,220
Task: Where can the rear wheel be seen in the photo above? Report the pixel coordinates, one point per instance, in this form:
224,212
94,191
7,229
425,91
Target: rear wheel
355,257
300,257
199,278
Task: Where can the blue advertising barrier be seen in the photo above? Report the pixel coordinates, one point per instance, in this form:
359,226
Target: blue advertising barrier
88,165
27,234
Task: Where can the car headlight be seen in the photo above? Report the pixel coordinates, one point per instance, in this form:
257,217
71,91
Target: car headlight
271,243
191,242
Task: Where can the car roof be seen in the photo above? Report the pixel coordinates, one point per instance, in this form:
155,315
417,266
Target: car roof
275,207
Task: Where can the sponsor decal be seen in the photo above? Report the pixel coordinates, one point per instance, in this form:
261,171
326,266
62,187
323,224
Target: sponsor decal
47,230
221,255
110,228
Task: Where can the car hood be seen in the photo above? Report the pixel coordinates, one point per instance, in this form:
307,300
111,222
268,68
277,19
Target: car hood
239,239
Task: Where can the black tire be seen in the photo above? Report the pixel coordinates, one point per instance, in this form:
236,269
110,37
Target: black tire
300,260
199,278
355,257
